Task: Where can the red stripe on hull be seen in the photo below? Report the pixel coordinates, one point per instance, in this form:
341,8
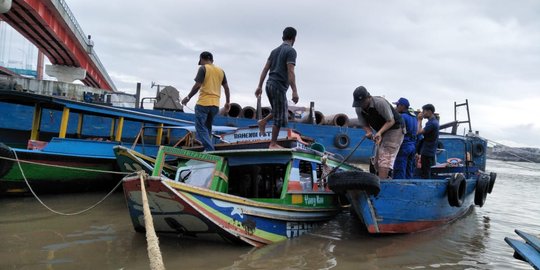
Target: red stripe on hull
410,227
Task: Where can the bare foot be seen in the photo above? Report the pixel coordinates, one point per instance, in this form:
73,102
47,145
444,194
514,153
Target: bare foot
275,146
262,127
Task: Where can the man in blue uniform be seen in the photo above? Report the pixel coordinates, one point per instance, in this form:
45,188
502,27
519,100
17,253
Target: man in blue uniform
428,149
404,164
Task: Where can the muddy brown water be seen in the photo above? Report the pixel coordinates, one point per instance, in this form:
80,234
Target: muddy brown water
32,237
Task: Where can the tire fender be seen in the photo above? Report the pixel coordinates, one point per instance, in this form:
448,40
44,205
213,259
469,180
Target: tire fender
481,191
492,177
456,189
342,140
354,180
478,149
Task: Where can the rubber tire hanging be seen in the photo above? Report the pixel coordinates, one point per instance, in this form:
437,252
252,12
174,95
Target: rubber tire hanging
456,189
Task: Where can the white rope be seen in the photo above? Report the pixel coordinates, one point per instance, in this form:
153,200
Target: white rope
154,253
52,210
59,166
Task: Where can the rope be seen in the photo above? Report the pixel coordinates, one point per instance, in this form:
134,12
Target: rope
154,253
344,160
52,210
58,166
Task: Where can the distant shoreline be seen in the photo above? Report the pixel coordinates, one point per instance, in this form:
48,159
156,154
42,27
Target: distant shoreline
514,154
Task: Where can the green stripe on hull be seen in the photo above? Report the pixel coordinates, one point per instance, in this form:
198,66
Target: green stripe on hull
43,173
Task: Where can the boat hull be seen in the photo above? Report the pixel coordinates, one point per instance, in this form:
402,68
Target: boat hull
183,209
412,205
48,173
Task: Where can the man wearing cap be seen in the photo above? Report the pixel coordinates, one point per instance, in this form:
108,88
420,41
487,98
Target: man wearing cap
404,164
376,113
430,132
280,68
208,80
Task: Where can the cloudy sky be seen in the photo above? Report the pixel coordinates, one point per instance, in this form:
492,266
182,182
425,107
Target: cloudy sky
430,51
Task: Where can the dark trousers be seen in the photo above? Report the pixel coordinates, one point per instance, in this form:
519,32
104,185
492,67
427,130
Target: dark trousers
427,162
204,116
404,164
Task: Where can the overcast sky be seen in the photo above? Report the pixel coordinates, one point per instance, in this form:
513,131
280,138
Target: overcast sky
427,51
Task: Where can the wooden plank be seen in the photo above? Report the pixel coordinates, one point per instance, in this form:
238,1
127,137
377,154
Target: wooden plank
527,252
530,239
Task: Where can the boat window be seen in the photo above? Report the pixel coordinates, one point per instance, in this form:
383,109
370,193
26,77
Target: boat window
257,181
306,175
322,170
196,172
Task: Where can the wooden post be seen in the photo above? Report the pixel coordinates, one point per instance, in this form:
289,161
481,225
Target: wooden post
311,118
259,108
80,125
113,126
137,95
159,134
64,123
36,123
118,136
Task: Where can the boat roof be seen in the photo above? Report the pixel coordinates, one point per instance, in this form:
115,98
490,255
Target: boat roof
59,103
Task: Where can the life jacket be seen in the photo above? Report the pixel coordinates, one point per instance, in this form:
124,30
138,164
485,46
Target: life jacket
376,121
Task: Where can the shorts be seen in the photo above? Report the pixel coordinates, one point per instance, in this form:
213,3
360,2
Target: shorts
388,149
278,100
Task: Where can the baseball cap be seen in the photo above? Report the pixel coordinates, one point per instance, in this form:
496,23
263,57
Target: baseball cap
206,56
358,95
402,101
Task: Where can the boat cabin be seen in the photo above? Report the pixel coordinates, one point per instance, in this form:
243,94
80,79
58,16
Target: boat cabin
261,174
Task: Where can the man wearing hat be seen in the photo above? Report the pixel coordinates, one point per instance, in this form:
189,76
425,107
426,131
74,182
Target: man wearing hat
208,80
376,113
404,165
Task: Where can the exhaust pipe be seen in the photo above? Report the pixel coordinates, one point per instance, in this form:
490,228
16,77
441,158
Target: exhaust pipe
319,116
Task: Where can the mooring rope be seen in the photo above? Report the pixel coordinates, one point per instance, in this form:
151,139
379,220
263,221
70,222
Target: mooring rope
344,160
49,208
154,253
59,166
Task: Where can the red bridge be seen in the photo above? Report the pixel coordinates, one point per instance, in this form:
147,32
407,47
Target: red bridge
50,26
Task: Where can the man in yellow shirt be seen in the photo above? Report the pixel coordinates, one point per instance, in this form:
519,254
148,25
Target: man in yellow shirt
208,80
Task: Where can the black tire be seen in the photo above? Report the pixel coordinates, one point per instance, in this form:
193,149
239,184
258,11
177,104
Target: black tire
342,141
5,165
480,193
456,189
478,149
492,177
354,180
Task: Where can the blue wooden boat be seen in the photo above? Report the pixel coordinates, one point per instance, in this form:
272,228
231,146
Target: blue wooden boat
83,138
459,183
252,196
528,251
16,123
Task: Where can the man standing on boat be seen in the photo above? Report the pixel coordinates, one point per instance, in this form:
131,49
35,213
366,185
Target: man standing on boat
431,138
209,80
280,66
404,165
376,113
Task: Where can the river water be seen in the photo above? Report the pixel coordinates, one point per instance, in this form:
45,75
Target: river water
31,237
